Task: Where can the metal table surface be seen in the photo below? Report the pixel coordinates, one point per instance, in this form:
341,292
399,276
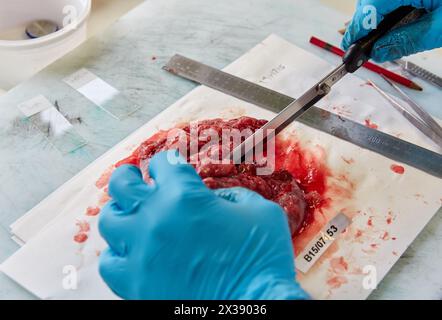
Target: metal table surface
214,32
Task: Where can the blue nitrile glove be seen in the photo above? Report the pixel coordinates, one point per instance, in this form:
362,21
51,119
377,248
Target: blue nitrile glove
423,34
177,239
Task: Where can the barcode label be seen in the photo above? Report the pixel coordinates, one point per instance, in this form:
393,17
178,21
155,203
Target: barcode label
316,247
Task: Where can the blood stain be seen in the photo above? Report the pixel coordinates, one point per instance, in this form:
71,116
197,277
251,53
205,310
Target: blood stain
80,237
358,233
370,222
92,211
154,58
103,181
374,245
104,199
83,226
397,169
393,238
339,265
370,124
389,219
385,236
336,281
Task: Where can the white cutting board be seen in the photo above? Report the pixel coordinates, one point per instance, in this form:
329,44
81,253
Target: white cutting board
388,210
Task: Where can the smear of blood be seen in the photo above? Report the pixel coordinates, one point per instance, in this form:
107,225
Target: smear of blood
374,245
104,199
337,281
83,226
393,238
357,271
80,237
92,211
390,217
385,236
397,169
370,222
103,181
370,124
311,173
344,188
83,229
358,233
339,265
154,58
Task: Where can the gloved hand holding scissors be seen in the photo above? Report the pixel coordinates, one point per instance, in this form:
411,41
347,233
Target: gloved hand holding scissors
420,35
177,239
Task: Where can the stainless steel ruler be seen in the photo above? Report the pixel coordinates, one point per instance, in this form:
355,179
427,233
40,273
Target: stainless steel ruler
340,127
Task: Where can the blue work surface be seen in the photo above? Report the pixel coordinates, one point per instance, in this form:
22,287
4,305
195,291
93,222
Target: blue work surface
130,56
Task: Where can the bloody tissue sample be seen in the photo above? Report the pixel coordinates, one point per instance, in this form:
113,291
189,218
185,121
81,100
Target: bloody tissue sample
280,186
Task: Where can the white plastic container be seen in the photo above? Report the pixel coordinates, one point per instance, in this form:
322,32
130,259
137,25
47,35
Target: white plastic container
20,57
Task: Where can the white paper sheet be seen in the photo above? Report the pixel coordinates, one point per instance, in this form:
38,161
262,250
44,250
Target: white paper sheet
388,210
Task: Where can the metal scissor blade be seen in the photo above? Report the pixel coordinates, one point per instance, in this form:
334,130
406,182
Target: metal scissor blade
288,115
418,123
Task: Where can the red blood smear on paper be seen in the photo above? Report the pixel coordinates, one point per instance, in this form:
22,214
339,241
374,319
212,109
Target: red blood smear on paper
83,226
80,237
92,211
83,229
397,169
336,281
154,58
385,236
339,265
103,181
310,172
370,222
297,172
358,233
370,124
389,220
104,199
